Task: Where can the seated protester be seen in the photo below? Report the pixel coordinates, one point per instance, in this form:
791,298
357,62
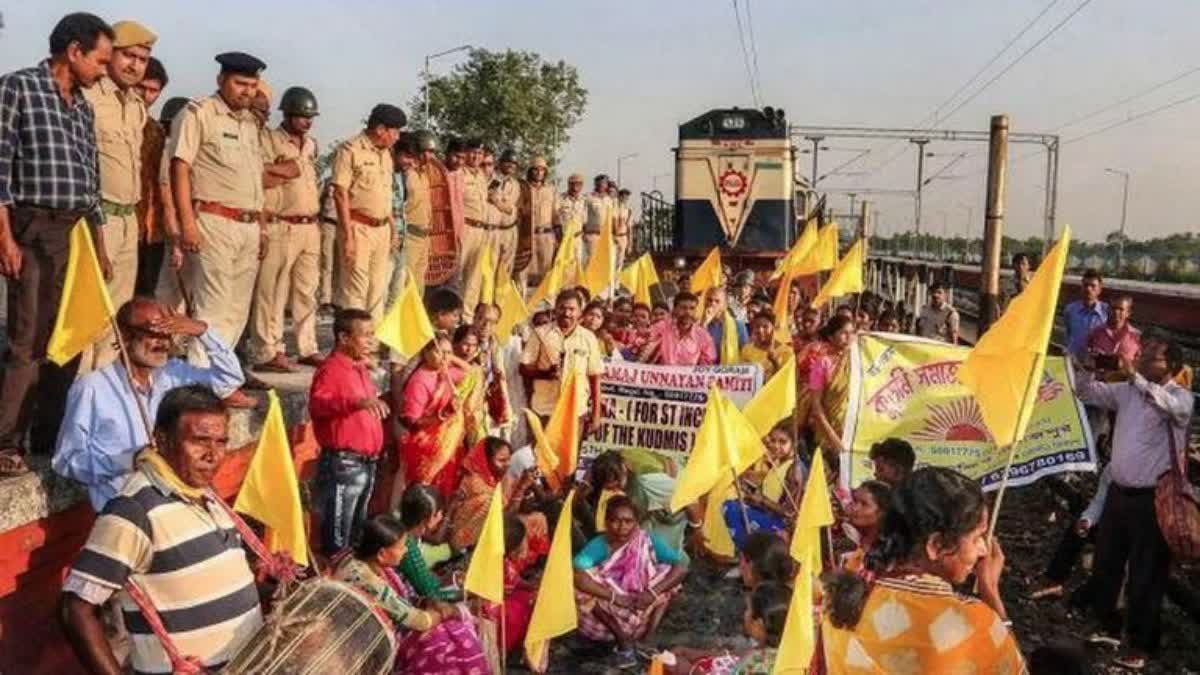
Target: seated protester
758,302
491,360
445,309
933,537
471,392
660,312
519,595
893,459
765,558
102,429
771,504
763,622
438,639
624,580
763,349
638,333
716,309
485,469
681,341
593,316
167,533
422,516
622,308
432,440
868,502
864,319
646,478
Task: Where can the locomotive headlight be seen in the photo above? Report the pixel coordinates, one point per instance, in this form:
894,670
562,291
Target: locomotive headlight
680,263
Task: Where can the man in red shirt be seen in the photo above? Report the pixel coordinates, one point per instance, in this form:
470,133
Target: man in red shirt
347,415
1117,337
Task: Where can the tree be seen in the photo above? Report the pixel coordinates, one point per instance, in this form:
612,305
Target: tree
510,99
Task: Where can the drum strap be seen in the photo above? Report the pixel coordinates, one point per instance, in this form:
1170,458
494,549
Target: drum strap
277,565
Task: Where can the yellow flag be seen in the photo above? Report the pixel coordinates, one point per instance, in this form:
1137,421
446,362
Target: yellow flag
729,340
656,666
406,327
847,277
271,492
563,266
563,432
1004,368
554,611
639,278
543,455
725,444
602,266
783,328
485,573
487,275
824,253
85,311
512,310
799,633
716,533
708,274
776,401
799,251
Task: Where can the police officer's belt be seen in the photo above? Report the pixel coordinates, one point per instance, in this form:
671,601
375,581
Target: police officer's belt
360,217
543,230
592,233
415,231
240,215
115,209
299,220
489,227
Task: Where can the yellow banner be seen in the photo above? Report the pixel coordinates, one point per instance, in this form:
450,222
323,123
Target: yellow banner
908,388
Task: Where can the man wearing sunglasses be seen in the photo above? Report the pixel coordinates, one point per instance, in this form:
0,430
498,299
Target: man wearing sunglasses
103,430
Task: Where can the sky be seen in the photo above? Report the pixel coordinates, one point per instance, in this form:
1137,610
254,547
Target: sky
649,66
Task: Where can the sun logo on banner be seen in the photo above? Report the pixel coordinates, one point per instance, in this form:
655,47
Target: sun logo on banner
956,421
1049,389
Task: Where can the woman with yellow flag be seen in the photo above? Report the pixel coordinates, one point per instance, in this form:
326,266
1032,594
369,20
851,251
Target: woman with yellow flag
828,386
431,442
907,618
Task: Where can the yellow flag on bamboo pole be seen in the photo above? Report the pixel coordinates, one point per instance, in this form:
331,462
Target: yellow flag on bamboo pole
485,573
824,254
782,309
487,275
406,327
639,277
716,533
1004,368
776,401
847,277
554,611
512,309
271,492
799,633
730,349
563,433
725,444
799,250
85,311
708,274
602,266
564,265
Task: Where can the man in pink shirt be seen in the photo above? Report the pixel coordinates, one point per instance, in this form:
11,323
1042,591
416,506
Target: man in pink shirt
681,342
1117,337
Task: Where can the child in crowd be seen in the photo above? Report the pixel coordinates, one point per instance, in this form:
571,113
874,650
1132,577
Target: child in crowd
763,622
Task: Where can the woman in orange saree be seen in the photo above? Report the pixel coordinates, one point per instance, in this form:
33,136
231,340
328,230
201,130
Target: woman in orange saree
431,445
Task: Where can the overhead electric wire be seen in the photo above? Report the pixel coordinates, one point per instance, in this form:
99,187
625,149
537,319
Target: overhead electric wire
1127,99
753,48
737,14
1134,118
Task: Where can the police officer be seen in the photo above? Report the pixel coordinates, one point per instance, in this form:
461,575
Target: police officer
503,194
622,225
539,204
484,218
216,182
167,289
419,162
571,212
362,178
120,123
290,272
599,210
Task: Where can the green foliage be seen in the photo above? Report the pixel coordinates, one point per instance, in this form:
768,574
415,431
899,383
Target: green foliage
324,163
510,99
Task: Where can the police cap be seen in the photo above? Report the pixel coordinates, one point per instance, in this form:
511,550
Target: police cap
388,115
508,156
539,162
575,178
240,63
299,101
132,34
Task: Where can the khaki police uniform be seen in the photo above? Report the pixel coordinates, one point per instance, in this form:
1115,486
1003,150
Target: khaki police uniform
120,126
366,172
599,209
222,149
329,261
418,218
539,204
290,273
622,222
167,292
484,223
571,213
578,351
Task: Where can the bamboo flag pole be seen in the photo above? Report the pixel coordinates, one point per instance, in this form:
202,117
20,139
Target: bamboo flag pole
741,499
1035,373
141,406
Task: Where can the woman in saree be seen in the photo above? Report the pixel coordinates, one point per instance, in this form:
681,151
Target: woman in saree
485,468
645,477
472,389
432,441
440,638
624,580
829,387
868,502
771,492
903,615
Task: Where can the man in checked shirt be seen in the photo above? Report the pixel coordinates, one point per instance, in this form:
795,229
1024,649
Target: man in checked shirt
48,180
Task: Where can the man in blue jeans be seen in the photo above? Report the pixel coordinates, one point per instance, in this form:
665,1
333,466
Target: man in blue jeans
347,416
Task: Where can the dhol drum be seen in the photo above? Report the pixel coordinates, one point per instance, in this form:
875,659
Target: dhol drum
323,626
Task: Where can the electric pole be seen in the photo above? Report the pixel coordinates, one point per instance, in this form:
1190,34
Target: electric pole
993,227
920,142
1124,210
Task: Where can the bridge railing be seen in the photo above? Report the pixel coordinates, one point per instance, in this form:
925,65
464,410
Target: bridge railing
655,233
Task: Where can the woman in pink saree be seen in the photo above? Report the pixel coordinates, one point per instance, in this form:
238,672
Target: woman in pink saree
625,579
432,442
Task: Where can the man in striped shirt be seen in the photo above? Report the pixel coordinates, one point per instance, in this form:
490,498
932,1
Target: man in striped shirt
167,535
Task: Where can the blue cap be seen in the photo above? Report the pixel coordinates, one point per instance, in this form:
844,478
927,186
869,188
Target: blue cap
240,63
